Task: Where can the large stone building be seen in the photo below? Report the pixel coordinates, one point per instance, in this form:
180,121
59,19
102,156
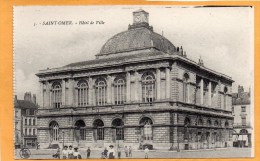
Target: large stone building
25,121
140,89
243,127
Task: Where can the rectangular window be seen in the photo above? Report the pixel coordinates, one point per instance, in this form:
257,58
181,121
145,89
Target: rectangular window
243,121
25,121
27,111
100,133
119,133
243,108
25,132
82,134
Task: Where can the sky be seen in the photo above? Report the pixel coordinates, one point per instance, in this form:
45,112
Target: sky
221,36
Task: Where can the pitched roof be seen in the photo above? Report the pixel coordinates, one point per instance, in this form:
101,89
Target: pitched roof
25,104
119,59
242,98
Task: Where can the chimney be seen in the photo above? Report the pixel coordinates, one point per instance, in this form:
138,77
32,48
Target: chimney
28,96
240,89
34,98
181,51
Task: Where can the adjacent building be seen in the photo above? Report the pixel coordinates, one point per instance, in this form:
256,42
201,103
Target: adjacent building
26,121
243,127
140,90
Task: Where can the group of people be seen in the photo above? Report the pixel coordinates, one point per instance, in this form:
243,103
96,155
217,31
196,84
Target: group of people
71,153
111,153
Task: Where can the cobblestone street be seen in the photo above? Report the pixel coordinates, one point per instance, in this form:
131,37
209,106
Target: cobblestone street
211,153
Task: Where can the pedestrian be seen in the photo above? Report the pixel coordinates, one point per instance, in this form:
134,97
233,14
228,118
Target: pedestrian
111,152
119,152
146,151
105,152
126,151
130,151
70,152
65,153
88,152
76,154
57,154
102,155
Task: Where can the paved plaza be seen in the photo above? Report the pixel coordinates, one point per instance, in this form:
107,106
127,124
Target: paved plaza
210,153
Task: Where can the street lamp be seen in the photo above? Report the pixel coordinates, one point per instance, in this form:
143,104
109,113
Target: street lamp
63,139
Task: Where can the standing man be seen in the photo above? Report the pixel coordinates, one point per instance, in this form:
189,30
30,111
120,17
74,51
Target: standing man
126,151
130,151
119,152
146,151
88,152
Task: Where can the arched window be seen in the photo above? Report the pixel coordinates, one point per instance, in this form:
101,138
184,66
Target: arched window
185,88
54,131
82,93
226,124
225,97
209,123
80,131
148,87
25,121
119,91
56,95
25,132
200,122
30,122
216,123
34,122
101,95
30,132
98,129
147,130
118,124
186,131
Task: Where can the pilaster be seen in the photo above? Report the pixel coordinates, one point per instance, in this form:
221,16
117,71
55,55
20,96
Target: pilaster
158,84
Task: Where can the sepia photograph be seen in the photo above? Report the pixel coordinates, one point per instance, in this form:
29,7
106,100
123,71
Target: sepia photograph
111,82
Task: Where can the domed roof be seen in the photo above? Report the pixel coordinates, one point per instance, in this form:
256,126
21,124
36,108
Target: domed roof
136,38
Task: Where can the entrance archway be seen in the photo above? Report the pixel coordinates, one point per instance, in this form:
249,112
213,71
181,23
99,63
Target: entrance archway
80,131
98,132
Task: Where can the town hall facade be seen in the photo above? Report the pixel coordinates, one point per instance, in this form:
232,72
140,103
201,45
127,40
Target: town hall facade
140,90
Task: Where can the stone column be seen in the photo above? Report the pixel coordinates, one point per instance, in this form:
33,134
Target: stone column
48,94
158,84
209,94
70,92
188,92
90,89
128,88
41,96
136,86
108,89
167,83
75,88
201,91
63,92
112,91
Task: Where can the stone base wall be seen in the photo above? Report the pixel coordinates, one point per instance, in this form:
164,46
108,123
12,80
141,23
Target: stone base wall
167,131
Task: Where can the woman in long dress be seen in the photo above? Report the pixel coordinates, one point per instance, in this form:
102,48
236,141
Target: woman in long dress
111,152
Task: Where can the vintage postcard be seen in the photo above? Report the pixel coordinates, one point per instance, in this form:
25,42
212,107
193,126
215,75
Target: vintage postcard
133,82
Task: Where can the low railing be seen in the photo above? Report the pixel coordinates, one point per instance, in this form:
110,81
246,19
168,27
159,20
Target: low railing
241,125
